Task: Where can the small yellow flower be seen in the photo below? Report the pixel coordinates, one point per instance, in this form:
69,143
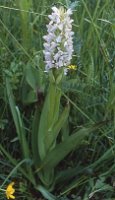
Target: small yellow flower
10,191
72,67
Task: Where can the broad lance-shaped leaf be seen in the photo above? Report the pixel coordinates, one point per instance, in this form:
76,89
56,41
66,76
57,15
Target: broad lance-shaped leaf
49,116
47,176
63,149
60,123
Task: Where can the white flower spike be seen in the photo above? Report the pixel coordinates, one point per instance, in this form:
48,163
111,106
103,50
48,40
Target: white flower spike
58,45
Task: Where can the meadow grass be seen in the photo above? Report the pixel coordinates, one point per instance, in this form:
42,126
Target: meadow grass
90,90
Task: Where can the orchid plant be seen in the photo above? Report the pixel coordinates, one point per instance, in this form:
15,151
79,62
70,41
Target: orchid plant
58,54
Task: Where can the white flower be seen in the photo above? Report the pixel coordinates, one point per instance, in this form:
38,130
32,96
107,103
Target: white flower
58,45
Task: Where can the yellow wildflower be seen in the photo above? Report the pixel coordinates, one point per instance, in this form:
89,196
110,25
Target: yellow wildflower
10,191
72,67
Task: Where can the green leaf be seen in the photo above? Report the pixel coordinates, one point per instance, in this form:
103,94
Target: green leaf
27,31
59,124
63,149
19,126
43,127
33,77
49,117
45,193
65,130
28,94
17,166
75,183
69,173
12,105
34,136
31,97
15,163
21,134
17,120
